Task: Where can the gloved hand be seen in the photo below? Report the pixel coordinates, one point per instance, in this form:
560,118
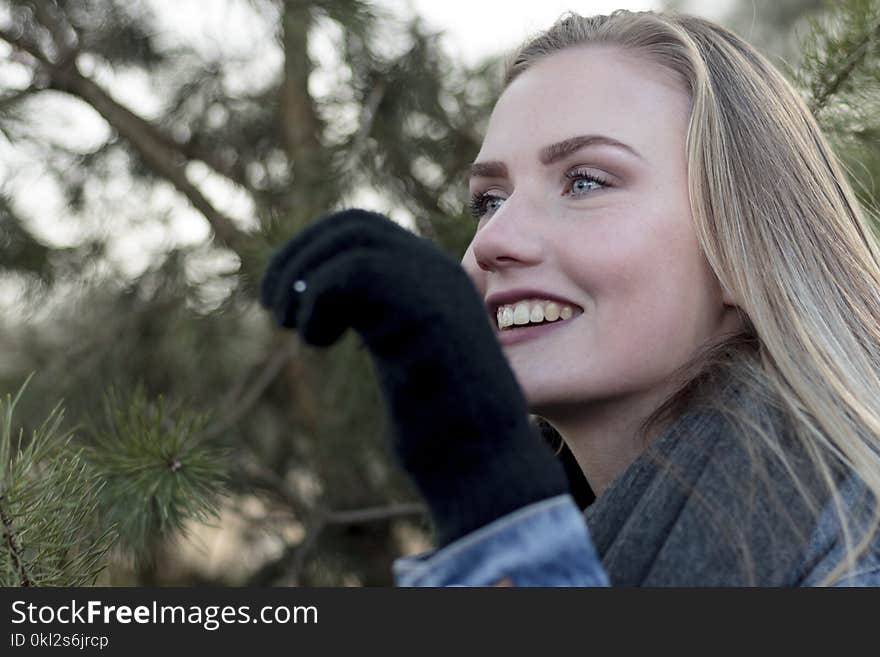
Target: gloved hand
460,421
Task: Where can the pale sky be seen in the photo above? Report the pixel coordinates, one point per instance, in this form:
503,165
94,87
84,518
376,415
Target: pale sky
476,28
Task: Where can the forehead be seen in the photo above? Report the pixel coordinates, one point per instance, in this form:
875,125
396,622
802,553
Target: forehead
589,89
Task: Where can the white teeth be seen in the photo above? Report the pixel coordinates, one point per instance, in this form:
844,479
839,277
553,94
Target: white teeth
535,311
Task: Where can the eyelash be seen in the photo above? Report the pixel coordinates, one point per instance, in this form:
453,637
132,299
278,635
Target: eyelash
477,204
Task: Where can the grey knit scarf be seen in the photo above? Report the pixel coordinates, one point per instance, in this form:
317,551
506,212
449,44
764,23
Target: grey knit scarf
707,505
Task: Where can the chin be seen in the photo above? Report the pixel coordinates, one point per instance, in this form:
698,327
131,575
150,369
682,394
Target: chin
554,401
542,404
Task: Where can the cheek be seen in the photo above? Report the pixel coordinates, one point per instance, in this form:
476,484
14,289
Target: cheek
469,264
650,296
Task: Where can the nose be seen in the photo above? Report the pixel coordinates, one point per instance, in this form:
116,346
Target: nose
508,238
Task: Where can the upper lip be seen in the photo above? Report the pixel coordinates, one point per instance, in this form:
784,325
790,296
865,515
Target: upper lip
493,301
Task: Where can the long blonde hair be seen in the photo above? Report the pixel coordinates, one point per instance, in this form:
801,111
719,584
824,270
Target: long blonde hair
783,232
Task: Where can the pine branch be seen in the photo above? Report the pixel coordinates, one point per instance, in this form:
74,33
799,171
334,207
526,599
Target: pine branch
241,402
827,89
162,154
155,148
292,560
59,29
368,117
194,151
48,495
300,124
157,472
373,514
23,45
838,47
13,544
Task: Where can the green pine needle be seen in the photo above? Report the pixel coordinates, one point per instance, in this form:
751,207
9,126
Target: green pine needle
48,497
156,471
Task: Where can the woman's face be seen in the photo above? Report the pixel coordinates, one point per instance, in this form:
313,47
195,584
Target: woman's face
607,227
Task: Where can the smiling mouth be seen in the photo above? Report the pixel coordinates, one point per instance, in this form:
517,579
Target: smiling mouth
534,312
521,333
545,322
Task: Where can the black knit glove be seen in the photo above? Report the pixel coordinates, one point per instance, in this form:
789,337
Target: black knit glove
461,427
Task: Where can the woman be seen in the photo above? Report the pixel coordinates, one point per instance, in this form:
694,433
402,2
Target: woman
658,197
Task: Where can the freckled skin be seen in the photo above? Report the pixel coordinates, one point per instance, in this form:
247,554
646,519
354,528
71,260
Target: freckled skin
626,253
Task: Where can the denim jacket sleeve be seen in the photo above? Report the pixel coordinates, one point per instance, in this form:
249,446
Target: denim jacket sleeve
543,544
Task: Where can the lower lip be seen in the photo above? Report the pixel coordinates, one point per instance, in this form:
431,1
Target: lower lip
513,336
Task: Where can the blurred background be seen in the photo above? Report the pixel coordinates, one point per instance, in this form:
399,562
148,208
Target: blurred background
153,153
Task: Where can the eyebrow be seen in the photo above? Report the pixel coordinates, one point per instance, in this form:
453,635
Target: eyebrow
552,153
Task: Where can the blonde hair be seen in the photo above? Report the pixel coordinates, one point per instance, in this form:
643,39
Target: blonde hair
784,233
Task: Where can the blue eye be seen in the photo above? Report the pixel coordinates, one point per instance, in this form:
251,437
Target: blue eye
583,182
482,204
